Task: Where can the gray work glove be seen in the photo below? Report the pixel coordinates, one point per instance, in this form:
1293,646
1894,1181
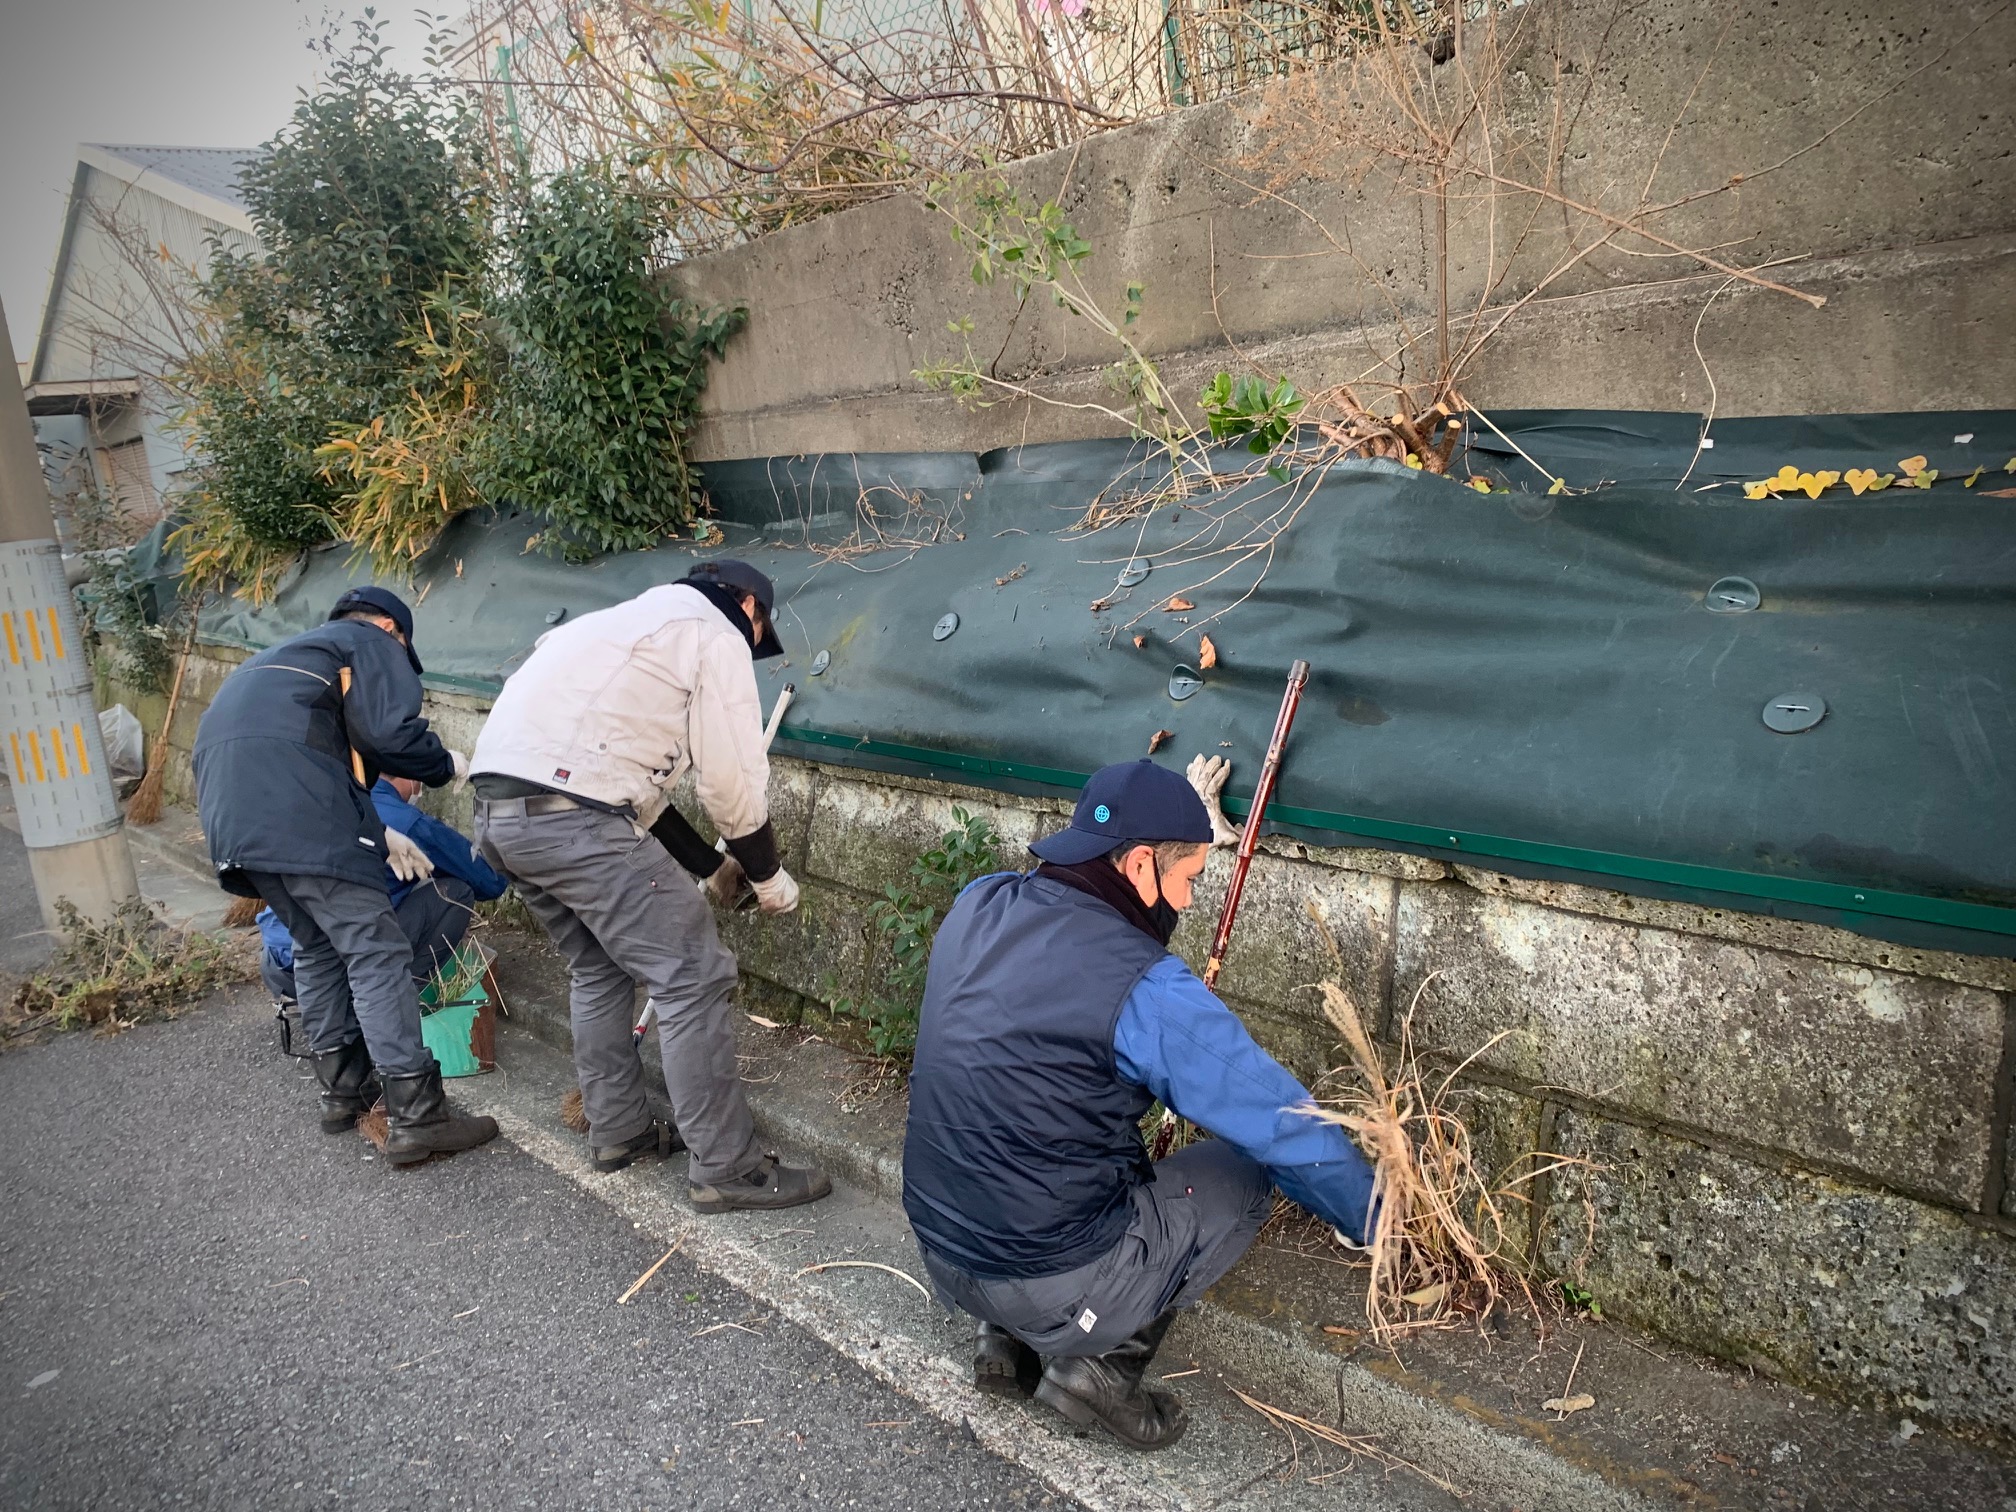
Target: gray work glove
778,894
1207,775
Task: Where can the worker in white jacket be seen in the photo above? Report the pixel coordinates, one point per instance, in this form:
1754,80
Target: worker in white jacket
578,759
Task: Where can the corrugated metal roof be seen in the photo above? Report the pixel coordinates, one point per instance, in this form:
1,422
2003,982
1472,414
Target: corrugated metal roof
208,170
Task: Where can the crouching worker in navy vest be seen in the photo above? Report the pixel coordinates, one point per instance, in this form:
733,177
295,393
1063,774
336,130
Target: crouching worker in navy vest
1054,1017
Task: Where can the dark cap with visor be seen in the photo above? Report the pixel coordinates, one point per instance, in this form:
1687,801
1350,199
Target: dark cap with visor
739,578
371,599
1131,801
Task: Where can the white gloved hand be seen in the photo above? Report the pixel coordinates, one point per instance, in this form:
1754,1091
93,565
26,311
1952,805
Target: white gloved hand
778,895
724,888
1207,775
461,770
409,863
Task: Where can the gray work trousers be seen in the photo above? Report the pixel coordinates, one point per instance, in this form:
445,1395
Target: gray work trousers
621,911
1190,1226
352,971
434,916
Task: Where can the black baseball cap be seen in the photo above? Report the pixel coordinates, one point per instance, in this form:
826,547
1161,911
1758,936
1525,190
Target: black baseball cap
371,599
1135,801
740,577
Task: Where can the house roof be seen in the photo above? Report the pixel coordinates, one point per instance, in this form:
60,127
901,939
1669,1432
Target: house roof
203,180
208,174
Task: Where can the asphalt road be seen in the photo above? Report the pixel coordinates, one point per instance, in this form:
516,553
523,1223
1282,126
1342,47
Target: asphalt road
204,1301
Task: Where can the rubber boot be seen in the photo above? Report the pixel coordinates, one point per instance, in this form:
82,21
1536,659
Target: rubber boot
420,1124
349,1085
1107,1390
1003,1365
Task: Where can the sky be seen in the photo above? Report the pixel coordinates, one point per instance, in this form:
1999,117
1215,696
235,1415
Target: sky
171,73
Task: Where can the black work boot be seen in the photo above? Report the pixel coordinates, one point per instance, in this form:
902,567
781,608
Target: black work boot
658,1138
771,1185
420,1124
349,1085
1107,1390
1003,1365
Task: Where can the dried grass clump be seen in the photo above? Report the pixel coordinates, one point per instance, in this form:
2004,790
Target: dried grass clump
375,1125
572,1113
1442,1243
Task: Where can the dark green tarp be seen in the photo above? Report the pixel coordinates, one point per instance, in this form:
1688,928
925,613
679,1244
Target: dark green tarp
1526,681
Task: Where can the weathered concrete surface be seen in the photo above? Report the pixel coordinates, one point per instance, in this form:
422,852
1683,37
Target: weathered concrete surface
1889,118
1794,1274
1873,1071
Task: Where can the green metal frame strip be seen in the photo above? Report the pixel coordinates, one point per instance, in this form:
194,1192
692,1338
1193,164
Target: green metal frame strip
1951,912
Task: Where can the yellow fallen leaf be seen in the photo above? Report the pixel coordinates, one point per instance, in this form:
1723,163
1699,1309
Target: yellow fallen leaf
1926,478
1428,1296
1207,656
761,1022
1784,480
1973,477
1756,490
1814,484
1565,1405
2010,465
1561,484
1860,479
1482,485
1911,465
1413,461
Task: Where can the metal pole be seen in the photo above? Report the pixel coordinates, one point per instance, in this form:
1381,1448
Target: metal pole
1249,838
49,740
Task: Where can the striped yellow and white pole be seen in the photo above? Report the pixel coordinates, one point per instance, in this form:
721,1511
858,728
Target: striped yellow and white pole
49,741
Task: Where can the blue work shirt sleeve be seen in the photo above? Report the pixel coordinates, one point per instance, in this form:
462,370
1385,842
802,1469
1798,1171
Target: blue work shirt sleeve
1178,1040
444,845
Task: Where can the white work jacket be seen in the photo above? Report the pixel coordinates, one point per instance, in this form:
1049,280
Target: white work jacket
616,705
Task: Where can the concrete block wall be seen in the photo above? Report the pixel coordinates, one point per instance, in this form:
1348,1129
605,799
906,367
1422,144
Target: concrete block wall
1799,1140
1864,148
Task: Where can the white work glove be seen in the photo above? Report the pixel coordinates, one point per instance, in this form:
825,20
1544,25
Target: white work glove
461,770
724,888
778,895
1207,775
409,863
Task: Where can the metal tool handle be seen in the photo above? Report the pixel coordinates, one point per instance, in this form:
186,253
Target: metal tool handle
1249,837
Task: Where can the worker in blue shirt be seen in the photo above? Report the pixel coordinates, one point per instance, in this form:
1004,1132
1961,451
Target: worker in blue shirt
1054,1017
433,893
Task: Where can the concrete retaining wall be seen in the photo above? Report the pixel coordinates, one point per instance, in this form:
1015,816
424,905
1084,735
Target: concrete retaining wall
1892,122
1801,1138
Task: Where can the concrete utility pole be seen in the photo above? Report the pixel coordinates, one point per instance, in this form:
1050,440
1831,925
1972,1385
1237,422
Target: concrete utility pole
49,740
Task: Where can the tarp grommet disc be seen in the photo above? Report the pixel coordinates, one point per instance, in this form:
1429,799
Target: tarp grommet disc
1790,713
1183,682
945,626
821,662
1133,572
1733,595
554,616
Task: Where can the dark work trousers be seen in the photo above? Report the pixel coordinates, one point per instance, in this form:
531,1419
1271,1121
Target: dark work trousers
352,968
621,911
1191,1224
434,916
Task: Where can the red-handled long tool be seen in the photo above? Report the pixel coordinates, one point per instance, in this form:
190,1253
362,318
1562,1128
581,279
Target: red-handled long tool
1249,838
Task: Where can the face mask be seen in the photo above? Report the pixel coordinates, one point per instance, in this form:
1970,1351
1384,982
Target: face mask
1161,917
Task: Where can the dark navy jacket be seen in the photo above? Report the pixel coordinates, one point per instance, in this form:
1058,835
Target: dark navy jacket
999,965
273,782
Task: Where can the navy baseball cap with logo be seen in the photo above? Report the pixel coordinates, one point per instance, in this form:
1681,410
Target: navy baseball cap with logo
1134,801
372,599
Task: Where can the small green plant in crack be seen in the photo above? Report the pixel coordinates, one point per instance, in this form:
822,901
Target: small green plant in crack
906,918
1581,1299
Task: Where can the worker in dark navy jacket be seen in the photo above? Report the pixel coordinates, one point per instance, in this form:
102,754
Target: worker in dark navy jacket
286,756
433,909
1054,1017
